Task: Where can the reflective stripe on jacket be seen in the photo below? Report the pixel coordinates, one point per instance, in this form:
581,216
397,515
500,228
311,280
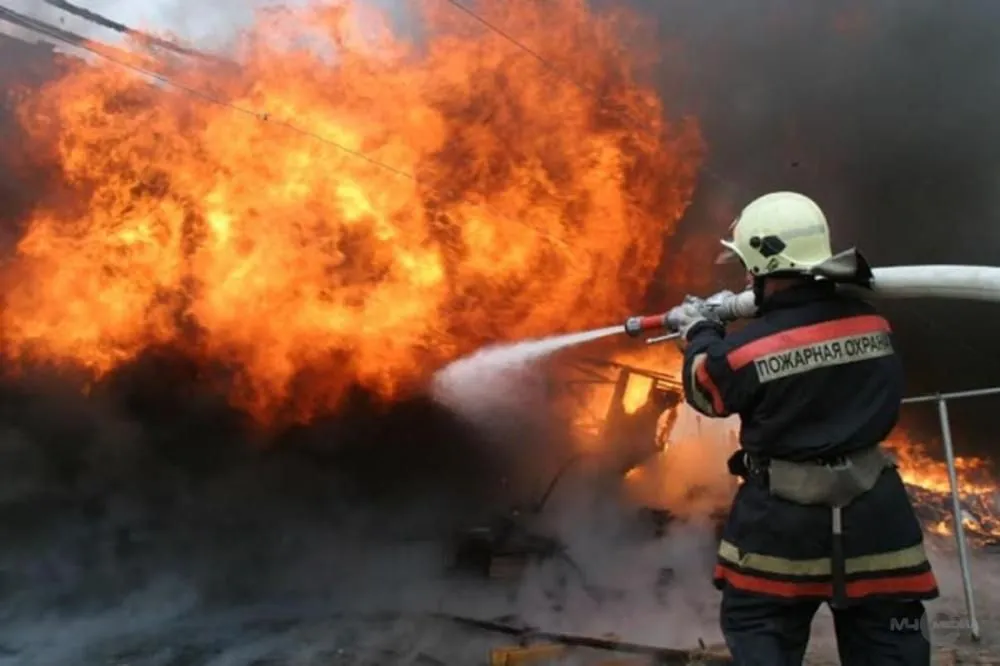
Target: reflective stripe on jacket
776,548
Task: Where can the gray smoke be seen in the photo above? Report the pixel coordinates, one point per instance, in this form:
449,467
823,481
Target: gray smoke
882,111
212,24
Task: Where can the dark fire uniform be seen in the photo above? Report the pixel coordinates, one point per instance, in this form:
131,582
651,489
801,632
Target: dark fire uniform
813,378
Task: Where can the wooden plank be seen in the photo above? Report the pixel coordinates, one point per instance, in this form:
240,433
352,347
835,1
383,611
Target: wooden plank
711,654
947,657
525,655
660,655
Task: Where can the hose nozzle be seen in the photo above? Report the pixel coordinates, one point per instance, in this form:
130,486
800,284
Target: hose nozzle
636,326
724,306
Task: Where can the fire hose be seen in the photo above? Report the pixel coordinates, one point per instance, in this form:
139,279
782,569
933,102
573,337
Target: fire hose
953,282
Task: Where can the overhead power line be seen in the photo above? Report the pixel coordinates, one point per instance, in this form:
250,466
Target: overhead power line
145,37
119,58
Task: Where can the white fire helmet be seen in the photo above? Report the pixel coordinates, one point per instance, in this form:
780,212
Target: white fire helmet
780,232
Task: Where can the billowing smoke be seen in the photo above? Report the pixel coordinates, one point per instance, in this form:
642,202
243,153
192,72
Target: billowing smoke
885,113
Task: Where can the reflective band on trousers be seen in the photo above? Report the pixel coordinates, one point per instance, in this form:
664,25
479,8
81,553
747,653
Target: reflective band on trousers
907,558
910,586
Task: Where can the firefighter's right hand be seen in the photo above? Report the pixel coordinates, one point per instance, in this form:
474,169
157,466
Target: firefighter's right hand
718,307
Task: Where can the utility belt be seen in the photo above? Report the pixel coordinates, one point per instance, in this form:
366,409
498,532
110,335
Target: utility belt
827,482
833,483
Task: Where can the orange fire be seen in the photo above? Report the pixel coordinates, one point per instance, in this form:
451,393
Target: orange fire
928,479
512,198
636,393
919,469
591,405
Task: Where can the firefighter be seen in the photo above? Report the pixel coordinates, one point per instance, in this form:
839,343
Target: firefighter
822,514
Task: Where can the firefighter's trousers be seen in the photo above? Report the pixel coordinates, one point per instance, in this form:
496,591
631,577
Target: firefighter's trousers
762,631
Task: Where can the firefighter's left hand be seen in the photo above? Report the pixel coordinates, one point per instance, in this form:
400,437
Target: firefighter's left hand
686,315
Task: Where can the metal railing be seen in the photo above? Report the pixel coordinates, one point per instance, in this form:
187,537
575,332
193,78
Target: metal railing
956,502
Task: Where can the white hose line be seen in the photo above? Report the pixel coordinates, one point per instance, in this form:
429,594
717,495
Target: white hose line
978,283
974,283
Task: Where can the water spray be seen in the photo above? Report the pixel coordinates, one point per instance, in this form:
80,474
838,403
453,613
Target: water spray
502,378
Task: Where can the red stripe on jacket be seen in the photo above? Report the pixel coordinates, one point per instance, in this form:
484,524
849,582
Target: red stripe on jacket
705,380
803,336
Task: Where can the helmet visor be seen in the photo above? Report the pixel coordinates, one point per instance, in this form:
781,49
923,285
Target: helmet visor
728,255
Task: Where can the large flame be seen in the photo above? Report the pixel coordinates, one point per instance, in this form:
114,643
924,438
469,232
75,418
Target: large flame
513,196
636,393
930,487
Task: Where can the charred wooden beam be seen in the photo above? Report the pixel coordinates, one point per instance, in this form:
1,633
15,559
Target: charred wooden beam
660,656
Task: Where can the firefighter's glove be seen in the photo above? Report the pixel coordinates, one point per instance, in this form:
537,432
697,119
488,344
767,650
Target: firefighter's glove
683,317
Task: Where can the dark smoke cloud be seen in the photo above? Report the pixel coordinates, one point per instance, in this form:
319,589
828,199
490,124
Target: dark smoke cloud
885,112
146,517
146,522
